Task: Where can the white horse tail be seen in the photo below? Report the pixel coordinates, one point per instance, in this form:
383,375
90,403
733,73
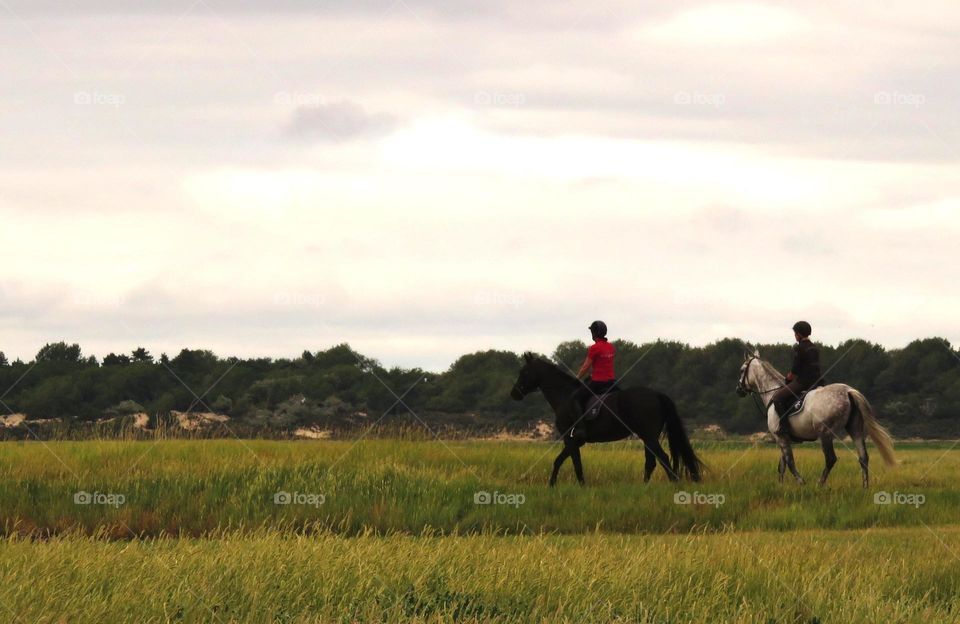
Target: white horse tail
877,432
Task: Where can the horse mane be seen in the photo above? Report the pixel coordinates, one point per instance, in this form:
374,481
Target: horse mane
770,369
552,366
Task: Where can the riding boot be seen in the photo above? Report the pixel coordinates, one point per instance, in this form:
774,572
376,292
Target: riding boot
784,411
783,402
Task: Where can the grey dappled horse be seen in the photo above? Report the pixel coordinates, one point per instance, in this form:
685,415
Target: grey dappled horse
828,413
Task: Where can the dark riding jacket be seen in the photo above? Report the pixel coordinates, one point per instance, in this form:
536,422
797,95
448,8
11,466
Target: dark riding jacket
806,364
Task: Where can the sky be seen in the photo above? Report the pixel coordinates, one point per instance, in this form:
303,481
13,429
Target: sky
428,178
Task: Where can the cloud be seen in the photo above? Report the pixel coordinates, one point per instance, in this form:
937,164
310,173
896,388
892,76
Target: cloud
337,122
487,175
730,24
547,11
204,85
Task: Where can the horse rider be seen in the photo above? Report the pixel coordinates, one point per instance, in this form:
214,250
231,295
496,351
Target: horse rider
804,375
599,363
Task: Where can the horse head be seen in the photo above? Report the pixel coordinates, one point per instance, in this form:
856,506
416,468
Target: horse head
747,384
527,380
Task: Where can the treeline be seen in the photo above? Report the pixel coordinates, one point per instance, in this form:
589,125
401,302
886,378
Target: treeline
916,389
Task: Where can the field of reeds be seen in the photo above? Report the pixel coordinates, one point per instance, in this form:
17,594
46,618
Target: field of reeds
453,531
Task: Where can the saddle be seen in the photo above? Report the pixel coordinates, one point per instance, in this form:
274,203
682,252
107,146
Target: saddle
596,403
783,419
797,406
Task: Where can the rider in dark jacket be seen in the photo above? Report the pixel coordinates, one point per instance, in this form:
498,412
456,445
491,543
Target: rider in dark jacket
805,373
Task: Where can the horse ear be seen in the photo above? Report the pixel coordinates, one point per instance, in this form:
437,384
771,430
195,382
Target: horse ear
756,353
527,356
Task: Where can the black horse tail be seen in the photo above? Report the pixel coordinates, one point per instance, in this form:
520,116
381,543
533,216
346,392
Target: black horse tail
685,460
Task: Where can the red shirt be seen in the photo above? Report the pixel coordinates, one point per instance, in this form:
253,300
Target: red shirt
601,355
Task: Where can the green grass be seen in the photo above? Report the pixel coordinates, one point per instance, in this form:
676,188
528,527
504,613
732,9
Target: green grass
193,488
398,536
880,575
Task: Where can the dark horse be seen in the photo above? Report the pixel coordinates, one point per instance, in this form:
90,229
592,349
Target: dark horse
639,411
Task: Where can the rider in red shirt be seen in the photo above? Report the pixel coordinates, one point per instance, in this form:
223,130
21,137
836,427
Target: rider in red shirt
600,360
602,379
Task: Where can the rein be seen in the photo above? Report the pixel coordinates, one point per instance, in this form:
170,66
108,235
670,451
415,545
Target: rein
756,394
759,403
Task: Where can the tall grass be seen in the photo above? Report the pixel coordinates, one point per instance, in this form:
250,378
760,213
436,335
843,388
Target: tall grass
882,575
194,488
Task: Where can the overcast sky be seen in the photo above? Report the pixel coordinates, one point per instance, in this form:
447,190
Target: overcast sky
426,178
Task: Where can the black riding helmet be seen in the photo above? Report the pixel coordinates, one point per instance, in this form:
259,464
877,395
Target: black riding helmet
803,328
598,329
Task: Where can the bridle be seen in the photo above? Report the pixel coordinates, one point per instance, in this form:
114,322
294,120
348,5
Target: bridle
519,389
744,390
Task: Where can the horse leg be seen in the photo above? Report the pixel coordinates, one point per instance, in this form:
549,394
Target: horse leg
857,433
577,464
861,444
662,457
787,455
782,468
562,457
829,456
650,464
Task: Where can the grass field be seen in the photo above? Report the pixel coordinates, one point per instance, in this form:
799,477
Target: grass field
388,530
882,575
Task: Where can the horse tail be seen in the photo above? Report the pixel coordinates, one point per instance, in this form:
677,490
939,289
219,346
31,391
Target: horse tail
685,460
877,432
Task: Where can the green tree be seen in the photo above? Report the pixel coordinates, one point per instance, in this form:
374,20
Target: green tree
570,354
222,405
59,352
141,355
112,359
342,354
193,361
916,389
482,381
